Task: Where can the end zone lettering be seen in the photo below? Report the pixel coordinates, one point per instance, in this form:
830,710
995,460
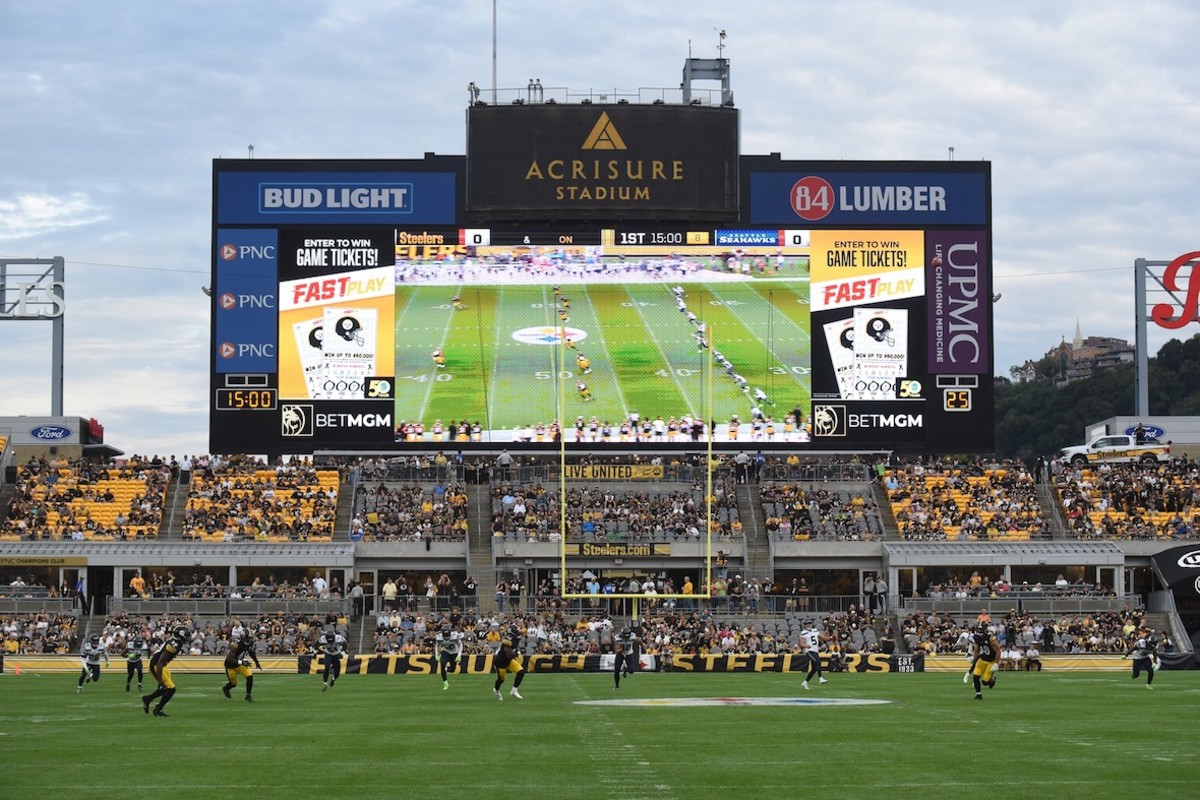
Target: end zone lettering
396,197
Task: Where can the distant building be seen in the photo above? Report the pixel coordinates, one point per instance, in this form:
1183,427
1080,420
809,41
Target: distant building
1083,358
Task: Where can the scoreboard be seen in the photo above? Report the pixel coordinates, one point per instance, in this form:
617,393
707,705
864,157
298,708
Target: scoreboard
405,324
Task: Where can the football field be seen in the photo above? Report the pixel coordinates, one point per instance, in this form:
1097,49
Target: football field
507,366
661,737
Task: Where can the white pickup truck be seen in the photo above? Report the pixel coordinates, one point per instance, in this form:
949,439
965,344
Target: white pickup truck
1116,448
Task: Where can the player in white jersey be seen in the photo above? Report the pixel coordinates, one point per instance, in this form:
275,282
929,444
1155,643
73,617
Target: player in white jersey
90,655
811,638
136,649
333,646
1145,655
449,646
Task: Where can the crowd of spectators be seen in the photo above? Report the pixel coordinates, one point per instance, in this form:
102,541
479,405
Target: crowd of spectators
1131,501
279,633
1102,632
243,500
968,501
410,513
78,499
613,512
792,511
39,633
664,632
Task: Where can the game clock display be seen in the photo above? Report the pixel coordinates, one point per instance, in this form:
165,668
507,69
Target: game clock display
246,399
956,400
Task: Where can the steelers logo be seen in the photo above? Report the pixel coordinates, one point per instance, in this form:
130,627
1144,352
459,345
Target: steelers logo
548,334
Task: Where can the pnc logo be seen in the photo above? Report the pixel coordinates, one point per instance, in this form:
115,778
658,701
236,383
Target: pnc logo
229,301
229,252
228,350
604,135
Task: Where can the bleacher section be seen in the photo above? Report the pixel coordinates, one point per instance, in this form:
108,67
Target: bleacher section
965,503
799,512
239,504
1130,501
79,500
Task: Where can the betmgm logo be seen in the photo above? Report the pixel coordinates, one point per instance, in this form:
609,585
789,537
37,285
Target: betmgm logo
829,420
297,419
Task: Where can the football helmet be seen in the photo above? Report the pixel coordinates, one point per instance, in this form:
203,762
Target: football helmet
182,634
139,643
982,629
95,639
330,636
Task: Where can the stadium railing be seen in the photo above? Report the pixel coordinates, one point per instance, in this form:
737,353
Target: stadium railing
1032,603
207,607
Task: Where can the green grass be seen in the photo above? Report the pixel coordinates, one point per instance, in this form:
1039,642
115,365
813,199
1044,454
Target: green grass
1047,735
643,355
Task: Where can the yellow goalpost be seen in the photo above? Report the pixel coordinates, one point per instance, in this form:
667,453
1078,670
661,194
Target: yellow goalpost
709,425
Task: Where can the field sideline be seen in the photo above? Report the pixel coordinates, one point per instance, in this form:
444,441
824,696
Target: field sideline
1047,735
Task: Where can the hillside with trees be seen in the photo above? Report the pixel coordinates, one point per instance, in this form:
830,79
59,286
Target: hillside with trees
1039,417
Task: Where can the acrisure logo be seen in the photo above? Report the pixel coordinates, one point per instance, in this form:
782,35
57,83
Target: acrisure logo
604,135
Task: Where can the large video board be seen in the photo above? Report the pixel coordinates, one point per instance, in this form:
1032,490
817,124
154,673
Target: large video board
364,309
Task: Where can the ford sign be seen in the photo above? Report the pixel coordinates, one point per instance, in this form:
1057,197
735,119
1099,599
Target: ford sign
50,433
1151,431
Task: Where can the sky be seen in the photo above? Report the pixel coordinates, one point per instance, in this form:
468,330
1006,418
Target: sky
112,114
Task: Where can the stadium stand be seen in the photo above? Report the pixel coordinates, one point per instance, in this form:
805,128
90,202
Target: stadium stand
79,500
39,633
965,502
410,512
802,512
1130,501
243,501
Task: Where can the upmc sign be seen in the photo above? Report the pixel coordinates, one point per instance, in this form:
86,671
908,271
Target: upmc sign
635,161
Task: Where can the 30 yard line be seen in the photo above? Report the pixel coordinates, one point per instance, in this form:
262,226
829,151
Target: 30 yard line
658,345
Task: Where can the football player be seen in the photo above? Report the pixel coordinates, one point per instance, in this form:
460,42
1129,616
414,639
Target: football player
91,653
135,650
237,662
449,644
333,646
811,638
985,649
625,654
161,670
507,660
1145,655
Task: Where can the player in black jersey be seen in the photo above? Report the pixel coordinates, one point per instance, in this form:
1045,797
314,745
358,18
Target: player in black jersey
507,660
985,650
161,670
237,662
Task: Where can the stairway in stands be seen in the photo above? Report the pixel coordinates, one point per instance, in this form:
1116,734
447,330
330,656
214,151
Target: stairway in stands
479,547
7,492
758,549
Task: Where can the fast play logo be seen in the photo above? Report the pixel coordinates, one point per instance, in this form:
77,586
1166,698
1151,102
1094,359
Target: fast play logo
604,135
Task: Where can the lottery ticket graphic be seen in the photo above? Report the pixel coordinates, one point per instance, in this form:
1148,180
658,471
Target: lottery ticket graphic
349,347
880,352
839,335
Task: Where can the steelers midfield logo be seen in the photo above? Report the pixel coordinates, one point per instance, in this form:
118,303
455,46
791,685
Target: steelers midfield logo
548,334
